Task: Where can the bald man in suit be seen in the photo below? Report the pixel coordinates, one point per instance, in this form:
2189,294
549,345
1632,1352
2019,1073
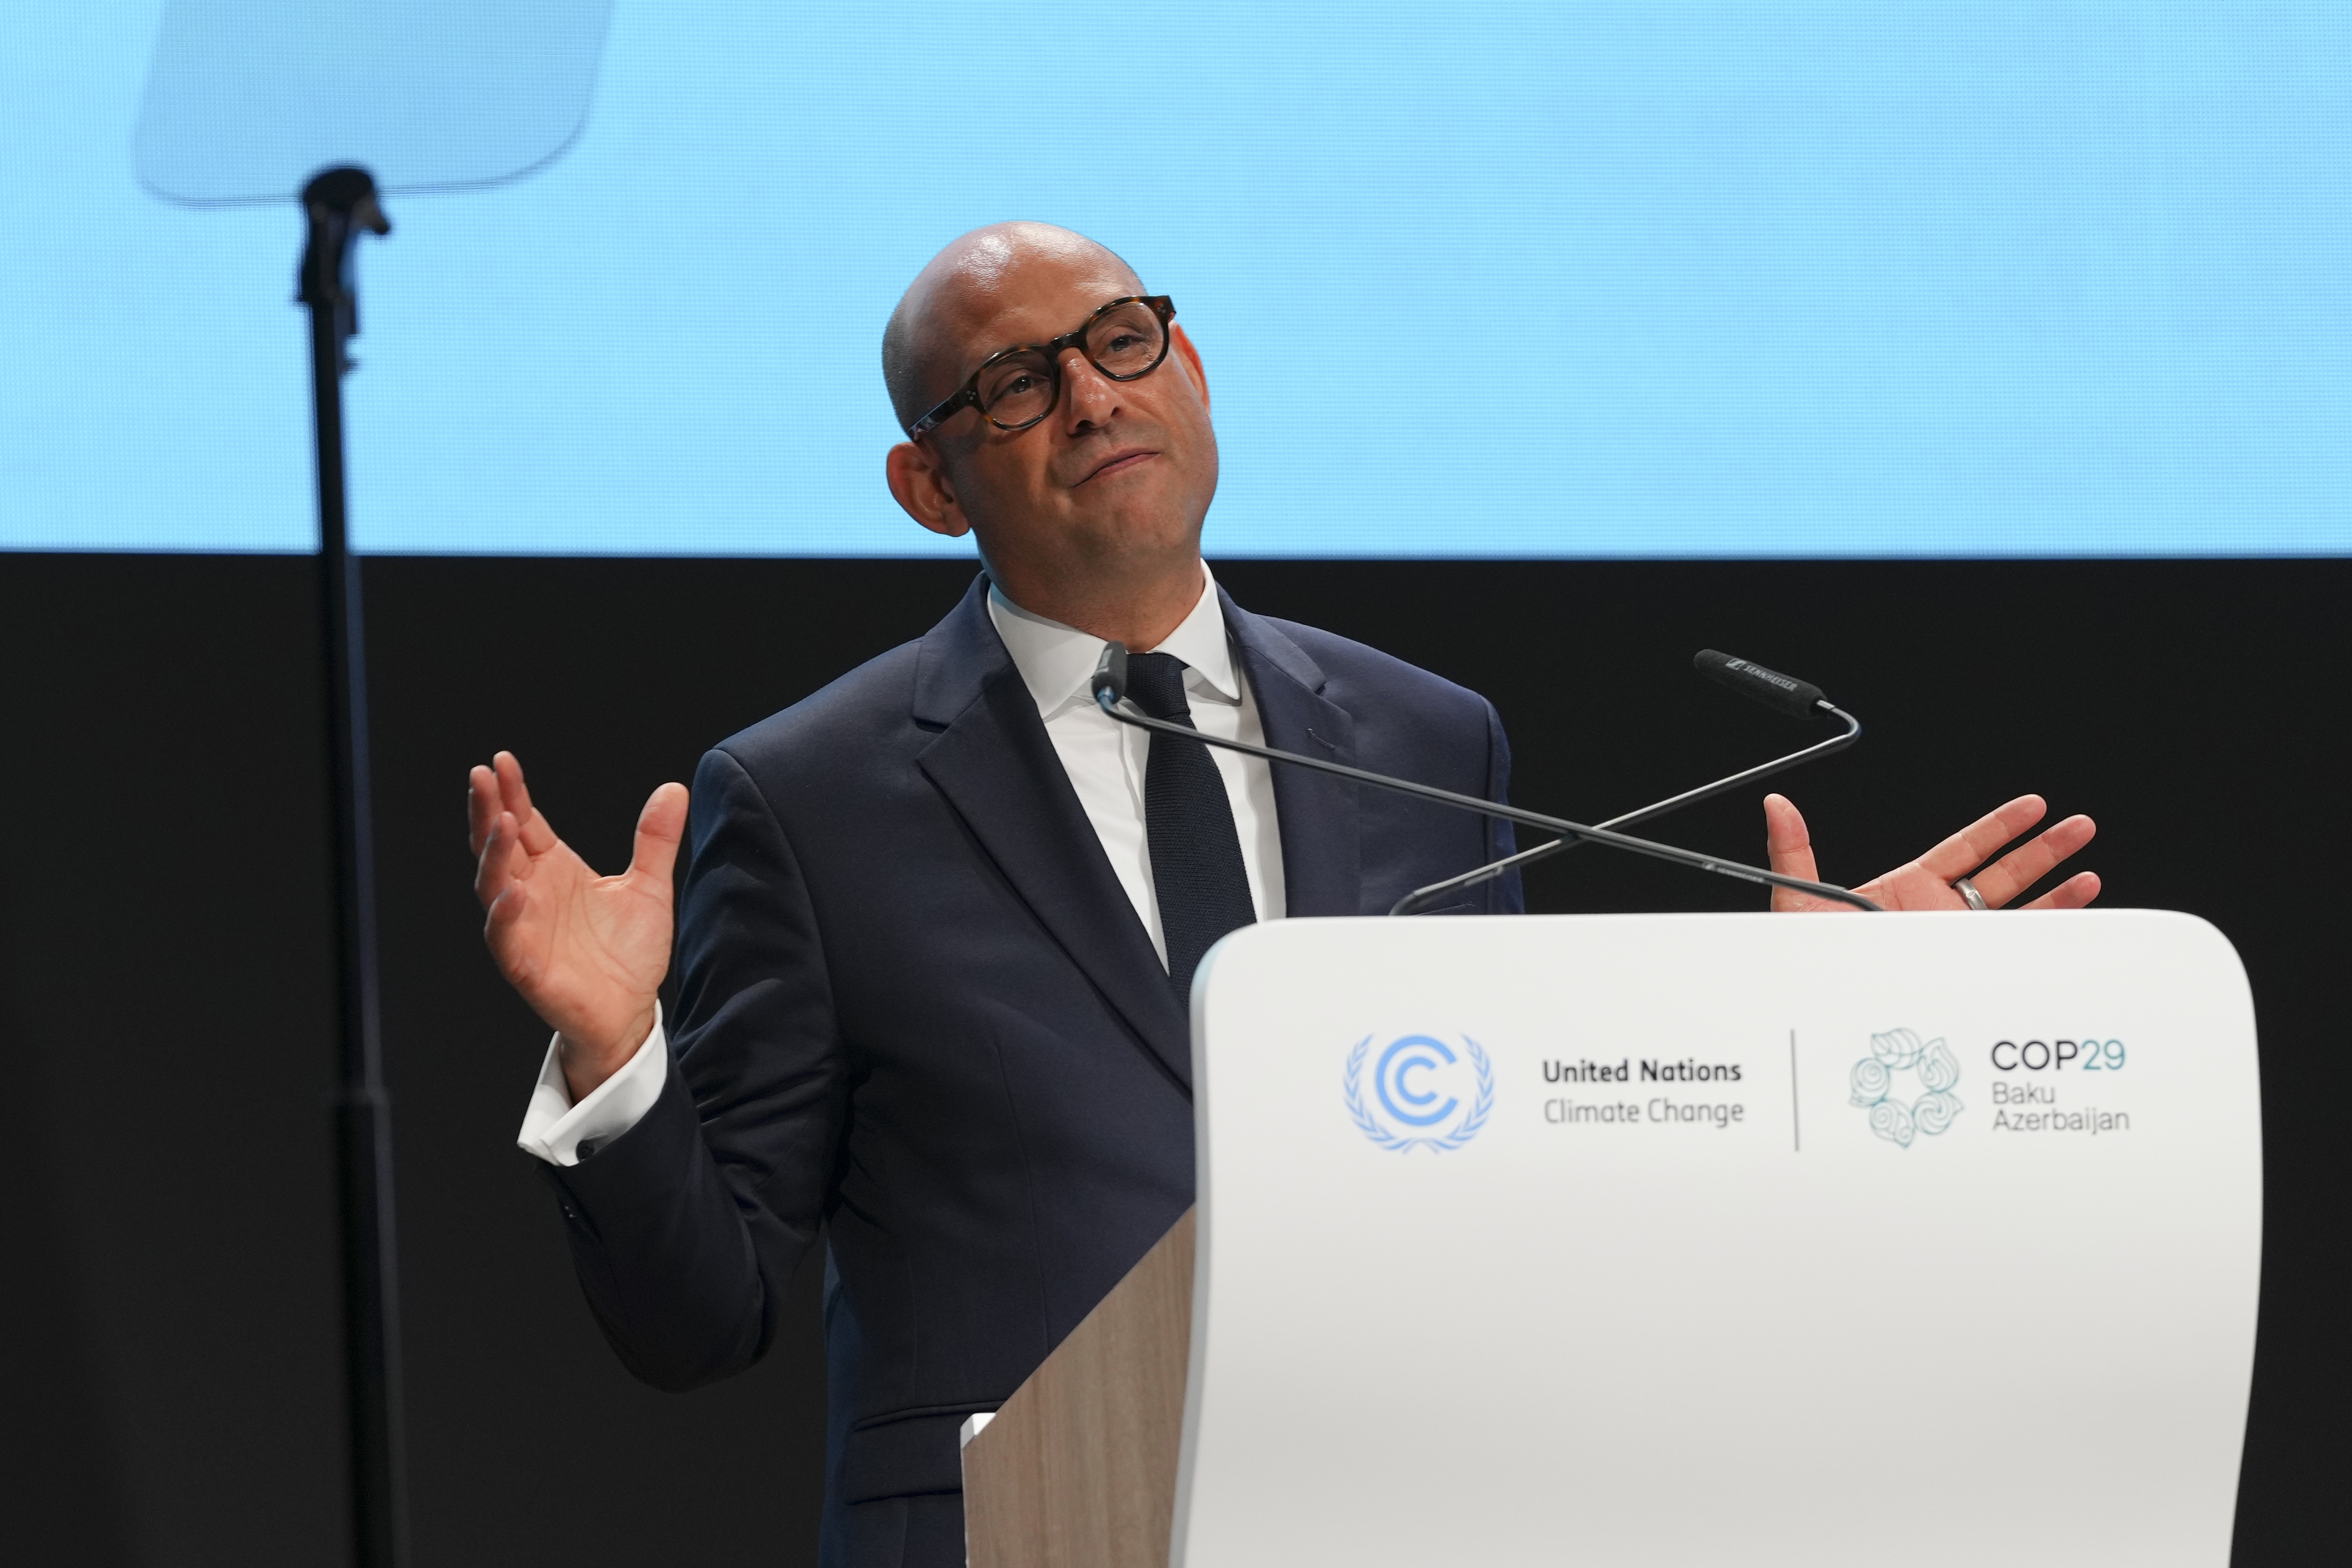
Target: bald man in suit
941,920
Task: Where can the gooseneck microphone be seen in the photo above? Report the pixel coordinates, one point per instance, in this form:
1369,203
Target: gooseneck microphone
1800,698
1797,698
1109,688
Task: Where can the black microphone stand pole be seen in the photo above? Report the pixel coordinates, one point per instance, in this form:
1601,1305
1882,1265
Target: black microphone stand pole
341,205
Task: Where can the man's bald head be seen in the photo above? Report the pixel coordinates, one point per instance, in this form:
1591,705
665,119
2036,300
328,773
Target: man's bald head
922,347
1089,514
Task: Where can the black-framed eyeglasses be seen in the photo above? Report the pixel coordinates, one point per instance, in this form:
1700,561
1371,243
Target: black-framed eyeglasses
1125,340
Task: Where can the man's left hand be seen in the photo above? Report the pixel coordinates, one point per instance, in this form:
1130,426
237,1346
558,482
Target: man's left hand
1926,883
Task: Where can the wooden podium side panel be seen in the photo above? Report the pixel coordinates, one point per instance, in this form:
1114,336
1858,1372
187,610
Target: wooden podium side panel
1079,1470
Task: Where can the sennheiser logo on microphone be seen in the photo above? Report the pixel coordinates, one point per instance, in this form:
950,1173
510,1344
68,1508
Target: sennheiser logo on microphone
1741,666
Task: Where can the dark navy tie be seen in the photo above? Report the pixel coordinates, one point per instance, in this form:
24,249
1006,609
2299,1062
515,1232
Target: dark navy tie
1196,855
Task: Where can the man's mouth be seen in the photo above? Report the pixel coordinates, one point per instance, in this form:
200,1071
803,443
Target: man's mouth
1118,462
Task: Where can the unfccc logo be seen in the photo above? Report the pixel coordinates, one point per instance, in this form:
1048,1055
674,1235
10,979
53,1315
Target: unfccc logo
1421,1084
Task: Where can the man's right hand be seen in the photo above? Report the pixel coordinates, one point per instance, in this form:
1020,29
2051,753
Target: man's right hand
588,952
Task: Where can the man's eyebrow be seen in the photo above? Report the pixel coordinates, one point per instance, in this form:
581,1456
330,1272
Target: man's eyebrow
1008,348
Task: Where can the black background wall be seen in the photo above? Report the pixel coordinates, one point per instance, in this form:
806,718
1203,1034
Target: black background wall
168,1359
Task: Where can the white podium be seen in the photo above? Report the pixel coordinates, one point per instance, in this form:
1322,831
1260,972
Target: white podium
1689,1239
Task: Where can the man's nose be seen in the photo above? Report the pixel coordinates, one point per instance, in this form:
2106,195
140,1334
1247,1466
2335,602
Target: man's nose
1089,398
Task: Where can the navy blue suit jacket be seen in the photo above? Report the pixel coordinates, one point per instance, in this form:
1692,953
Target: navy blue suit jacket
916,1009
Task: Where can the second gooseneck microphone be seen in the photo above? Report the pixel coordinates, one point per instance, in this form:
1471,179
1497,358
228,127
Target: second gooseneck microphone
1109,688
1798,698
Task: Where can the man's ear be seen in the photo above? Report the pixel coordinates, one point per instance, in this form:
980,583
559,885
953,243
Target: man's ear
1183,341
920,484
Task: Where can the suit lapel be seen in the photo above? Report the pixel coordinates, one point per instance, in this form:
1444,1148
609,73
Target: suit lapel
1322,864
993,763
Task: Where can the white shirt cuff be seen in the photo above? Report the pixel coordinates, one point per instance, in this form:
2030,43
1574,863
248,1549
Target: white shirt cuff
553,1129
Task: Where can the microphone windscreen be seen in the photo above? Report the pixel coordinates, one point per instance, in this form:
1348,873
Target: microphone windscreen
1109,683
1786,692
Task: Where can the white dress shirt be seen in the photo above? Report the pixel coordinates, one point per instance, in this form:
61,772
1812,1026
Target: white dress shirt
1105,761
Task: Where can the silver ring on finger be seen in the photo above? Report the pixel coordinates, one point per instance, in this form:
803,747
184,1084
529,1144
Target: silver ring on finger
1968,894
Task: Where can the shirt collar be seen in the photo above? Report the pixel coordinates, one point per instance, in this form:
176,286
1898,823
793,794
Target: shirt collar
1058,662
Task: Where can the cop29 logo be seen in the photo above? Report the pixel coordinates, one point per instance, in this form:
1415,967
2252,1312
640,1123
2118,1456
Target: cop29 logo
1900,1054
1420,1084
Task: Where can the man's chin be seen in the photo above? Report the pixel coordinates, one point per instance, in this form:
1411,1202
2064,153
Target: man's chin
1134,533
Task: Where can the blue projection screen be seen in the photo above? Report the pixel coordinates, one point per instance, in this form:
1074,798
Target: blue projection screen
1665,279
